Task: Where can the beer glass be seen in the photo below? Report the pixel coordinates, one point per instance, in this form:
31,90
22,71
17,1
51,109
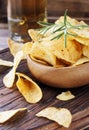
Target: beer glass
24,15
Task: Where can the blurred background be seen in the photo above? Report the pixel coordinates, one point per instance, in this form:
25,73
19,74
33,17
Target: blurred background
77,8
3,11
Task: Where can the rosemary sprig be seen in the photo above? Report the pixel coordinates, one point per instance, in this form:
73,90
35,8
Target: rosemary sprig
61,29
66,29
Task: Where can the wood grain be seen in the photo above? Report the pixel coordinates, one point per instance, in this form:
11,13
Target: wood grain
76,8
12,99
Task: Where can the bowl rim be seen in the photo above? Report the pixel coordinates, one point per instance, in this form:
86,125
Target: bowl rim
59,68
64,77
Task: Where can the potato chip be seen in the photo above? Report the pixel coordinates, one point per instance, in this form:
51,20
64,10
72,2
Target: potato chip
14,46
59,63
38,60
60,115
11,115
43,53
6,63
69,19
83,32
8,80
69,54
86,51
65,96
35,35
28,88
83,41
82,60
26,48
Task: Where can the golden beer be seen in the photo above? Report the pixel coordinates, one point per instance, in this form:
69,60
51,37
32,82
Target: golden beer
24,15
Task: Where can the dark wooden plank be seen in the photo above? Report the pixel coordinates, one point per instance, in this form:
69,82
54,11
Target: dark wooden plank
12,99
76,8
3,11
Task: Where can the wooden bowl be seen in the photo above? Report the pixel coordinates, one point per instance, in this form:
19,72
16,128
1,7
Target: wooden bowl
65,77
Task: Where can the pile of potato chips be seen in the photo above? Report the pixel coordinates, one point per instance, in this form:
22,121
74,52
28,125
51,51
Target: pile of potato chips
52,53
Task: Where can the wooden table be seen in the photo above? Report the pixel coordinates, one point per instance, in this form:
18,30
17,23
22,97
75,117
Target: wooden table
12,99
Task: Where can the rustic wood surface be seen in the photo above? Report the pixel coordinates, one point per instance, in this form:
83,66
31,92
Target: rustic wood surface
12,99
77,8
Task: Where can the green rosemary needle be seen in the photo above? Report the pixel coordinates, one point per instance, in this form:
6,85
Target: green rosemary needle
61,29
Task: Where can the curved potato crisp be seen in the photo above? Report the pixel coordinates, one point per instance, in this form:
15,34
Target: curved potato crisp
49,47
83,32
83,41
69,19
11,115
60,115
35,35
65,96
28,88
86,51
10,77
42,53
14,46
27,47
70,54
6,63
38,60
82,60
